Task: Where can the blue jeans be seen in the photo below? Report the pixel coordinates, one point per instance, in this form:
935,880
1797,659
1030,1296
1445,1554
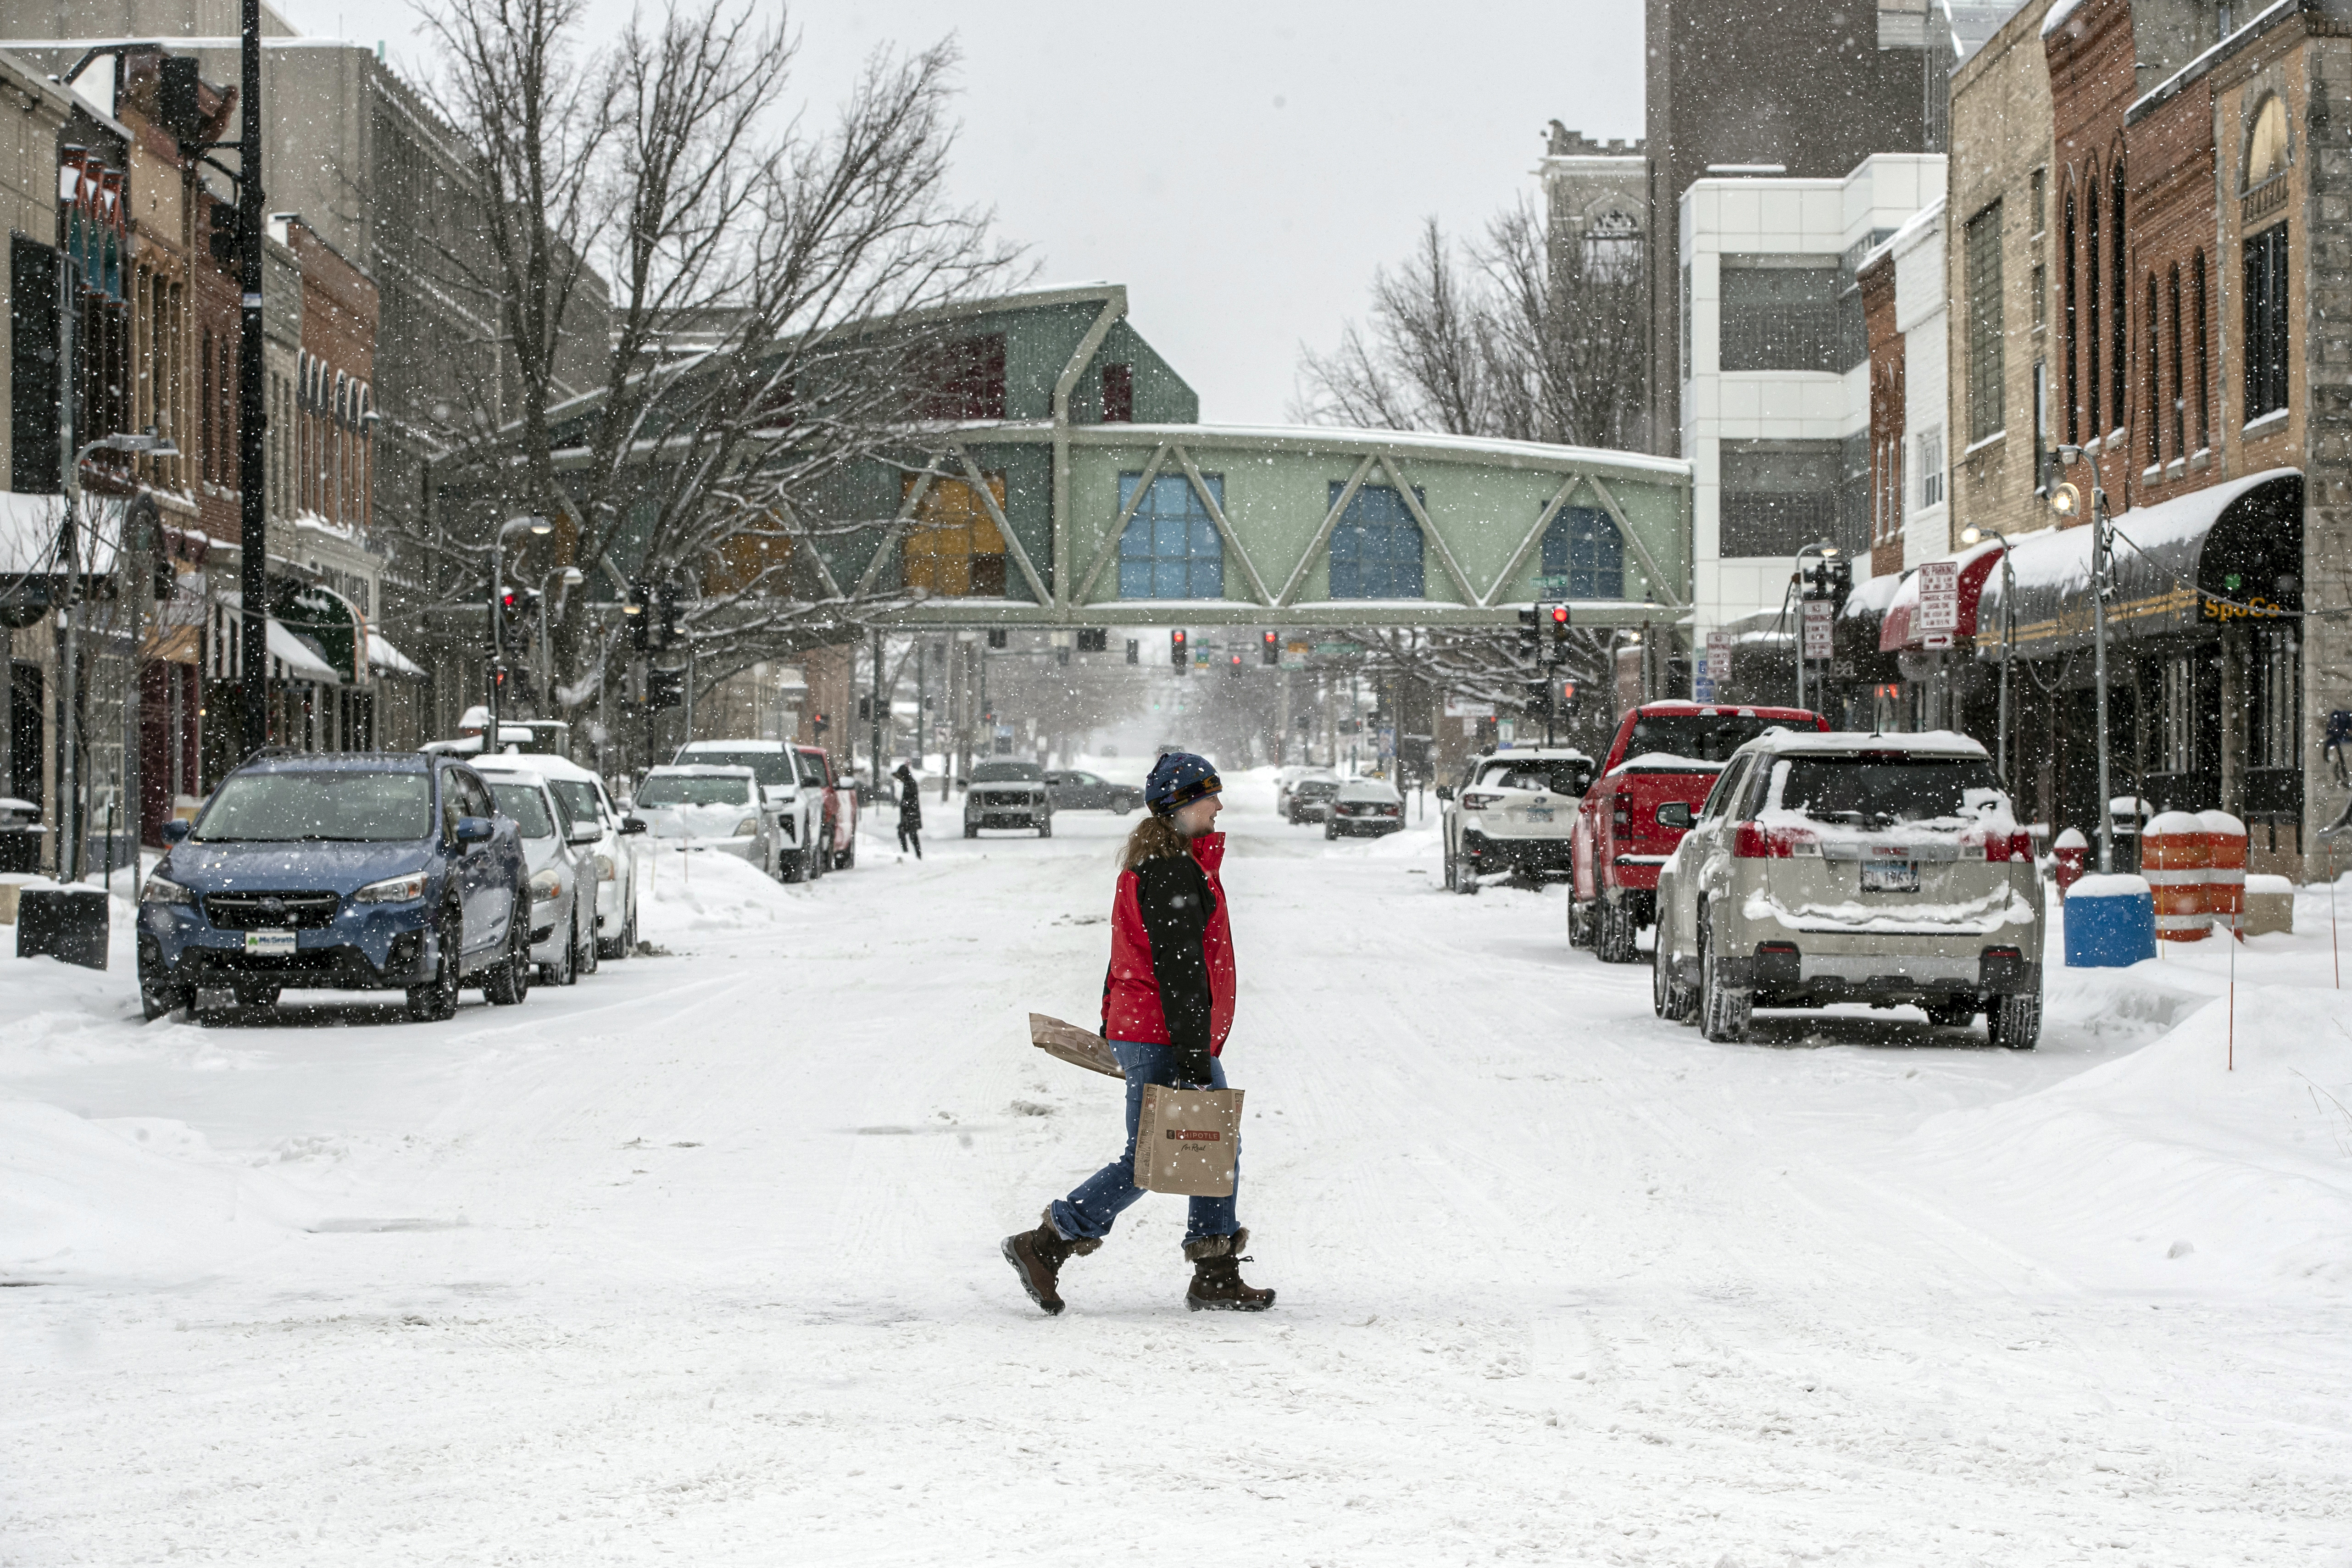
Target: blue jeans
1096,1202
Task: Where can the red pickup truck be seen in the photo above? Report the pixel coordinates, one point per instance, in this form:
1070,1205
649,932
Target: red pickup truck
1657,774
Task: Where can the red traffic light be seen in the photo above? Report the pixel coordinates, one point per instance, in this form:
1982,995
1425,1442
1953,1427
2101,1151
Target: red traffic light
1559,614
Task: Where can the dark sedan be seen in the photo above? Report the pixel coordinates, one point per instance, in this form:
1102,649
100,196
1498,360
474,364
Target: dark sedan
1091,792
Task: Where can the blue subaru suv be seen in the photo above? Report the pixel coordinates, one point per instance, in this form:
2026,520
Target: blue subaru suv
351,871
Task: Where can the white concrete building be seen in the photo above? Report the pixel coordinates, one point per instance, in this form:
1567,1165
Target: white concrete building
1923,319
1776,381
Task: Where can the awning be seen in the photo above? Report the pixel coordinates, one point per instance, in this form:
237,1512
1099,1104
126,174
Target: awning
1900,631
382,655
296,657
2230,552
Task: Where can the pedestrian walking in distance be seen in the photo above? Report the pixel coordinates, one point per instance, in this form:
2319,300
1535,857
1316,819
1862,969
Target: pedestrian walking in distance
1168,1003
910,812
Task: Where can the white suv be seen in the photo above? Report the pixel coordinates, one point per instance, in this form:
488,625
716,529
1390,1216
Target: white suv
1512,811
1848,868
799,809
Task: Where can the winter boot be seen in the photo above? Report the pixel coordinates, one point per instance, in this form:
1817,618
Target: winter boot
1037,1257
1217,1284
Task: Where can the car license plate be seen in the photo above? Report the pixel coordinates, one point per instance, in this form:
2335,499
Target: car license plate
1890,876
275,943
1538,814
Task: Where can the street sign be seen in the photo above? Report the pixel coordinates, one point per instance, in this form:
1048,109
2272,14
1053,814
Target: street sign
1702,687
1940,599
1820,615
1463,708
1718,656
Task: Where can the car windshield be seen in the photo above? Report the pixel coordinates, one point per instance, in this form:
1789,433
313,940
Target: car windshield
1316,786
526,805
772,769
1704,737
1006,773
577,796
338,807
1558,775
1874,790
688,789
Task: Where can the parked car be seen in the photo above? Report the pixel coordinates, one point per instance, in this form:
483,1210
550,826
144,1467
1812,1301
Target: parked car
560,853
1007,794
1311,797
1664,760
837,833
1091,792
716,803
798,809
348,872
1364,807
1847,868
1511,811
614,860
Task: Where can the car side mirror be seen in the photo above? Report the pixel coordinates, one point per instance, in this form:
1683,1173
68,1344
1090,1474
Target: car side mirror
476,829
1445,792
176,831
585,834
1675,814
630,824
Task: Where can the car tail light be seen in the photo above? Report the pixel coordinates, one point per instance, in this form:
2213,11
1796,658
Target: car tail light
1996,846
1478,800
1619,815
1391,810
1752,841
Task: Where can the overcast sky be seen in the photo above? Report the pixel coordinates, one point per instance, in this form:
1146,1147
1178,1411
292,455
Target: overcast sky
1240,168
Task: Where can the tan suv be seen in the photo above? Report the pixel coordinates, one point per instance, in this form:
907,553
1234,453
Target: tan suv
1847,868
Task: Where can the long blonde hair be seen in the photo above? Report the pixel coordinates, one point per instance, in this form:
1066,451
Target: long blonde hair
1155,837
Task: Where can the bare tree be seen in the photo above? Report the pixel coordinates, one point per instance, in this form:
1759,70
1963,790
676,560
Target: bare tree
735,299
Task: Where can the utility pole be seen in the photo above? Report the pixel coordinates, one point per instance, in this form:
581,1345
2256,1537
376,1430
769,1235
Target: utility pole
876,741
253,514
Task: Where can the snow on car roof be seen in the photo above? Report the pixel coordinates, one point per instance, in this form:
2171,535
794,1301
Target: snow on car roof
1370,789
1837,742
1545,753
732,746
700,771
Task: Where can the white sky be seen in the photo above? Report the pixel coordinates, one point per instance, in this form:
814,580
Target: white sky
1241,168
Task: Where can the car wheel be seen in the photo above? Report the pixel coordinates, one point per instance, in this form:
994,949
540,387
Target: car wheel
257,995
1615,933
1045,828
2014,1022
1724,1011
969,831
586,958
1580,913
156,1001
509,982
1331,831
564,971
847,857
1950,1014
436,999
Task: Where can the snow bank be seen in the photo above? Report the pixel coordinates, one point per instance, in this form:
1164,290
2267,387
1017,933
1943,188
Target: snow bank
137,1198
705,889
2167,1168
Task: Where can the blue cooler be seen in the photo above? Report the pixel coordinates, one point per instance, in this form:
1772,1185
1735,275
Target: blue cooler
2110,923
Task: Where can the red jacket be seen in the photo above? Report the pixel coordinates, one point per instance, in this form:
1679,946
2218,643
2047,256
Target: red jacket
1171,954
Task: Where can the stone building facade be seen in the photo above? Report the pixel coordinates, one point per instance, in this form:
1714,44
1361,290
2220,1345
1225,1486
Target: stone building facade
1596,224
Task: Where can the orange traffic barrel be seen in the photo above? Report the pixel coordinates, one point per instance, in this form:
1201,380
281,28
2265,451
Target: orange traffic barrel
2174,857
2225,878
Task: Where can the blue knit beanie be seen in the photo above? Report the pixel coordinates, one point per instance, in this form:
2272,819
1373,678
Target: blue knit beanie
1177,779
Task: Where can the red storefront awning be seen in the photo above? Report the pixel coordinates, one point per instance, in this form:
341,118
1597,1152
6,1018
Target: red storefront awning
1897,634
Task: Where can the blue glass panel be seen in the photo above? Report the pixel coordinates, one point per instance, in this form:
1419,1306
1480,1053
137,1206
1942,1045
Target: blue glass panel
1172,580
1583,551
1375,547
1134,578
1171,548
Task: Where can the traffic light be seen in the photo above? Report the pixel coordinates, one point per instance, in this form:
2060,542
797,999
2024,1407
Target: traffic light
1558,647
866,709
665,688
1539,691
1567,697
1180,657
996,637
1235,666
821,724
1530,631
1135,651
1093,639
637,609
1827,577
516,606
227,229
1269,648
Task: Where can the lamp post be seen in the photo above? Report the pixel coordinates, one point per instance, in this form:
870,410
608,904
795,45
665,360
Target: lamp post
2066,501
540,527
69,814
2008,634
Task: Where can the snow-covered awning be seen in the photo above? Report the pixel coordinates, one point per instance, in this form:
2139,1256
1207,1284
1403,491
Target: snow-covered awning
2230,552
296,658
382,655
1900,629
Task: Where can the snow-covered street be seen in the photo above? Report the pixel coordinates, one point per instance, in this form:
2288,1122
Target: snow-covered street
697,1261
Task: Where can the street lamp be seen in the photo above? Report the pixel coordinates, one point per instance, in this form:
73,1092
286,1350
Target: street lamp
144,442
2008,634
2067,502
540,527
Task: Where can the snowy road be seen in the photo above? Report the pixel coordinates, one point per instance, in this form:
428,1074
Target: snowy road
696,1261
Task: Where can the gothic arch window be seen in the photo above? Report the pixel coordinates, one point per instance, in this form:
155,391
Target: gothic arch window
2152,374
2091,403
2204,352
2120,342
1613,245
2177,422
2069,305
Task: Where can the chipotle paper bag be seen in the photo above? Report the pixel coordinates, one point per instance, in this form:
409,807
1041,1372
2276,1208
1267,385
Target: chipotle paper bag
1080,1047
1188,1140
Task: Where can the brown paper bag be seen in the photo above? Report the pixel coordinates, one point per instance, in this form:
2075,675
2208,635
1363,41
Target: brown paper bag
1188,1140
1080,1047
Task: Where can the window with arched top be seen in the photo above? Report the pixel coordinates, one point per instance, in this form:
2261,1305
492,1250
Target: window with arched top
2266,148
